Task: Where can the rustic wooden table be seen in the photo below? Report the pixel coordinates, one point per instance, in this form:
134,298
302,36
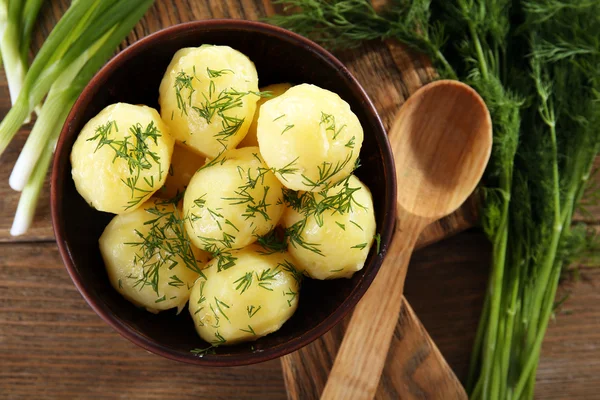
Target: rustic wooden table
52,345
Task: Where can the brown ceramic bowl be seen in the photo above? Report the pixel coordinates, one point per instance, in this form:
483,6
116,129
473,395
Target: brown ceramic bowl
133,76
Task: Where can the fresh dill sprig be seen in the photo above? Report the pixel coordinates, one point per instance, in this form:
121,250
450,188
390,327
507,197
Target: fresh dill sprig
294,235
165,245
252,310
184,83
288,169
292,296
272,242
340,24
327,171
244,282
135,150
217,73
202,352
244,194
250,330
328,120
266,277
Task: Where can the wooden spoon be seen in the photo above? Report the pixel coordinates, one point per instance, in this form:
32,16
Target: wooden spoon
441,139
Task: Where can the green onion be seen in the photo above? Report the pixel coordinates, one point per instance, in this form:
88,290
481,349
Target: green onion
79,45
10,40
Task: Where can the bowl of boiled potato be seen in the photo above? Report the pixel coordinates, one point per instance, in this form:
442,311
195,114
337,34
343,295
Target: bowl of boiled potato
223,192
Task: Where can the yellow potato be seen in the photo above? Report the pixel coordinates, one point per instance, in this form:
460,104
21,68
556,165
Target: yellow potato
138,261
184,164
310,137
276,90
208,96
333,243
231,201
246,301
121,157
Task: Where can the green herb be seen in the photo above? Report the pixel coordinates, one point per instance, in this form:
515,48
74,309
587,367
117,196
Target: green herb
244,194
286,169
202,352
287,128
215,74
266,278
219,339
135,150
358,226
292,295
252,310
327,171
351,143
329,121
201,299
183,82
164,245
360,246
294,234
249,330
290,268
175,281
272,242
377,238
160,300
218,304
244,282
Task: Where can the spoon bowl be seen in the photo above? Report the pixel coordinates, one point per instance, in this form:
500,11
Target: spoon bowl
442,140
440,152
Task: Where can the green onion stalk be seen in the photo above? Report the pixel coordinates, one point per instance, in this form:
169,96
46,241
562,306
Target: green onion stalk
17,19
63,81
10,43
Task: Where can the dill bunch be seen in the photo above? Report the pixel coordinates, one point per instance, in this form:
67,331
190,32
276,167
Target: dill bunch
536,63
347,23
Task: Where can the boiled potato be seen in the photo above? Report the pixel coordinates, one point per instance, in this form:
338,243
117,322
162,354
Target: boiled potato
184,164
275,90
310,137
335,242
137,249
246,301
121,157
231,201
208,96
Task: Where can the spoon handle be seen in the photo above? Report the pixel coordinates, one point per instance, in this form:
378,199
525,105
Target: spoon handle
362,355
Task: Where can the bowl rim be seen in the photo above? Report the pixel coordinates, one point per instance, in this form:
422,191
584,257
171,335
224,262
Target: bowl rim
386,230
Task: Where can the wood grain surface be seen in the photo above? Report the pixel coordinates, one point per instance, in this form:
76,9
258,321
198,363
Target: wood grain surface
52,345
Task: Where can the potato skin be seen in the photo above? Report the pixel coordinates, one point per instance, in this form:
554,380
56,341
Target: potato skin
231,201
209,76
249,300
100,175
126,259
276,90
341,239
313,133
184,164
